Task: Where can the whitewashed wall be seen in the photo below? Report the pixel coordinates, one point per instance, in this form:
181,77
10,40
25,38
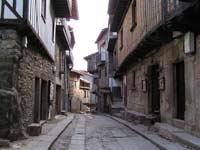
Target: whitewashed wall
43,27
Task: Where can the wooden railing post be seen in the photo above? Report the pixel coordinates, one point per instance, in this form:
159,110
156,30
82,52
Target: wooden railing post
164,10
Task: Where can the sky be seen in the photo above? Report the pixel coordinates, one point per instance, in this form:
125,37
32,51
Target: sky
92,19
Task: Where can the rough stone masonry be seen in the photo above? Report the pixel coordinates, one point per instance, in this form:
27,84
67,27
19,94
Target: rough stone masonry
18,68
10,112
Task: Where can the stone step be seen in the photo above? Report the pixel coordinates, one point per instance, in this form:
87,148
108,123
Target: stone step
140,118
35,129
4,143
117,99
178,135
117,110
117,107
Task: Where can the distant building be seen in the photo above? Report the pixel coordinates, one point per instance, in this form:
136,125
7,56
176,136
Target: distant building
91,79
104,99
63,64
79,92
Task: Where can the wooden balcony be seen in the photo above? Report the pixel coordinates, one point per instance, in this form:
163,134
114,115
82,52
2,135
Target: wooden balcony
63,33
101,58
70,59
184,16
84,84
155,18
103,82
173,8
111,41
92,62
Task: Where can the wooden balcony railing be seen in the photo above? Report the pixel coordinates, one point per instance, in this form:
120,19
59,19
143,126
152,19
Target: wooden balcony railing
152,15
172,7
64,33
101,57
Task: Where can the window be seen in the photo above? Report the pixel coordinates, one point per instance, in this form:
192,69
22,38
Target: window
133,80
99,73
121,38
116,92
43,9
134,15
75,84
53,30
105,71
85,94
88,94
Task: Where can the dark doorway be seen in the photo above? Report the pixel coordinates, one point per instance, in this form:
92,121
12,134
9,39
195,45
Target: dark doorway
106,108
180,90
116,92
154,92
58,99
44,101
125,96
36,117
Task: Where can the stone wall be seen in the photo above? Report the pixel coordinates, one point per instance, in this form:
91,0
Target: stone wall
166,57
10,106
18,69
31,65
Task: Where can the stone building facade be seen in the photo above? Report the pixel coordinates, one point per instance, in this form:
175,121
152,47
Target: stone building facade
93,69
79,92
20,68
175,107
104,98
157,62
63,64
27,73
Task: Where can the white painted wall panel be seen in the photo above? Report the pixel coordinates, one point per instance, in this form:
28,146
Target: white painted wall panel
42,27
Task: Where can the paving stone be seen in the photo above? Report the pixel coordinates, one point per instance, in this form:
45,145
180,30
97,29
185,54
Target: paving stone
78,137
76,147
77,142
43,142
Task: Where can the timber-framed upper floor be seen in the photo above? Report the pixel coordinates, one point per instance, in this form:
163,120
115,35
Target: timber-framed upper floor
37,18
142,25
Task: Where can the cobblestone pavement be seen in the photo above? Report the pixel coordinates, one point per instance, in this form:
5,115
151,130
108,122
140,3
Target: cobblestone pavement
63,142
95,132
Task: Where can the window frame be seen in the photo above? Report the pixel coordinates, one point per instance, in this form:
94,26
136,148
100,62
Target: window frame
133,15
105,71
121,38
53,30
134,80
43,9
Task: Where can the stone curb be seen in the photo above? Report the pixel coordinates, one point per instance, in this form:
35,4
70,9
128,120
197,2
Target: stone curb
44,142
160,142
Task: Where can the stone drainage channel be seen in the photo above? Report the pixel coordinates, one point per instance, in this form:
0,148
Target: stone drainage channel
73,138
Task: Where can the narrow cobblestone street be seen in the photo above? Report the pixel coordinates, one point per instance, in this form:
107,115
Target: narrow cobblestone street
95,132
